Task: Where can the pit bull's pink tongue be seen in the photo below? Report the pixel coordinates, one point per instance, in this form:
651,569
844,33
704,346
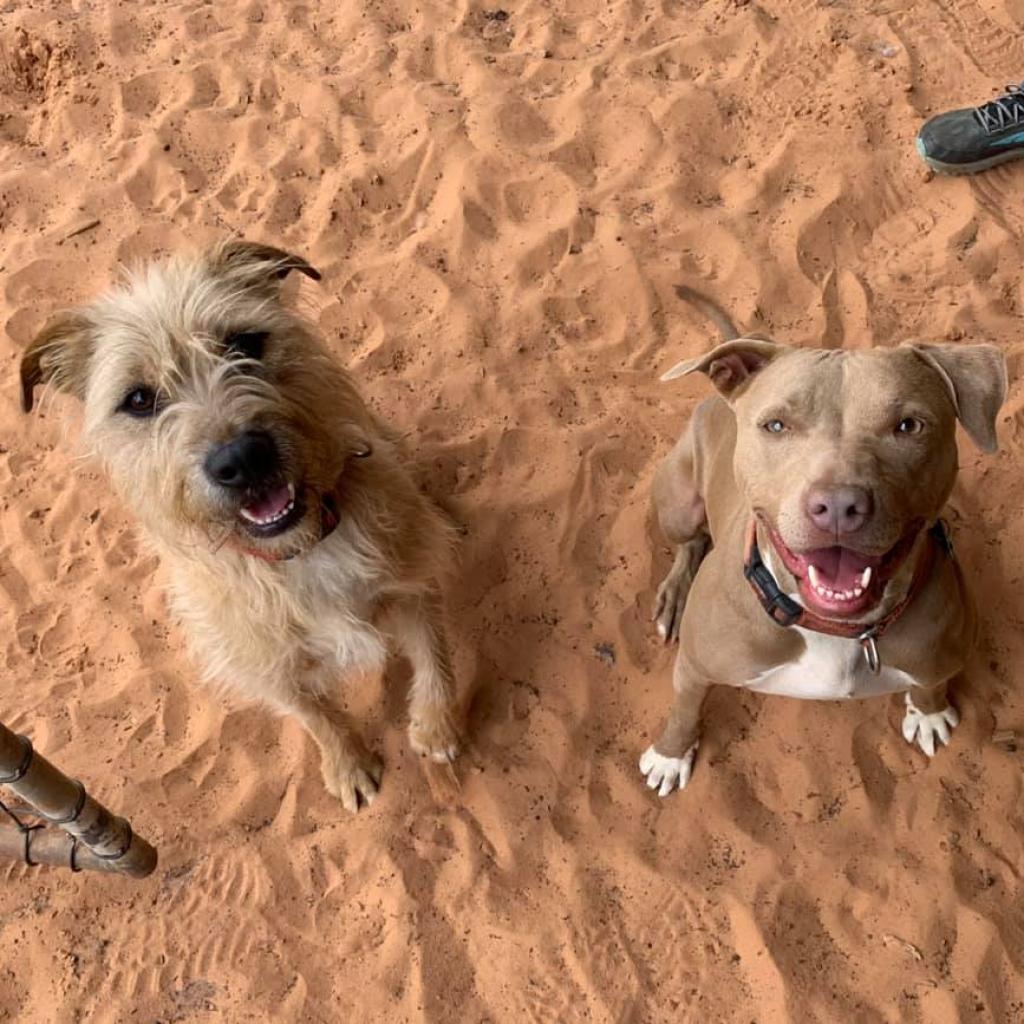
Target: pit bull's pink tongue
839,568
269,505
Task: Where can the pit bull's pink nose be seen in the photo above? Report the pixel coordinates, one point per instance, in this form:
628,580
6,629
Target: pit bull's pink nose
839,510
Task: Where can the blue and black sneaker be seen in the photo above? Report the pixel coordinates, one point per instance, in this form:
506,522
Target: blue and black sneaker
974,139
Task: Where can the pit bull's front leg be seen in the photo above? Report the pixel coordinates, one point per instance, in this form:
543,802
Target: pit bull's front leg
683,519
668,763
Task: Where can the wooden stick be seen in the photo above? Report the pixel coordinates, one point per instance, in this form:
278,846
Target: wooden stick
63,801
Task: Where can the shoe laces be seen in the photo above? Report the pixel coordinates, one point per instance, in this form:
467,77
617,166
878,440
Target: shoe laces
1006,111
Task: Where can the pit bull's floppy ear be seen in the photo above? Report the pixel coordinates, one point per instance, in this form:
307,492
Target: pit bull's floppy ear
975,376
58,353
731,364
260,262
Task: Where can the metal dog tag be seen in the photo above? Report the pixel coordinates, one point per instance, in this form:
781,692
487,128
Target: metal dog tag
870,648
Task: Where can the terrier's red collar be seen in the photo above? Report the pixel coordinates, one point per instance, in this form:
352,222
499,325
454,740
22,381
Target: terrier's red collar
329,520
784,611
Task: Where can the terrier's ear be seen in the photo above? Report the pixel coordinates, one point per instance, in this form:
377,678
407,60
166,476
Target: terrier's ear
356,441
975,377
731,365
59,353
258,263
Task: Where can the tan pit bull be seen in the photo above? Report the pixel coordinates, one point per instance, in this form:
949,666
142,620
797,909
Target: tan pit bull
806,503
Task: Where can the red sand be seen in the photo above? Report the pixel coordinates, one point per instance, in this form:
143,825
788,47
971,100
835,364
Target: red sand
501,207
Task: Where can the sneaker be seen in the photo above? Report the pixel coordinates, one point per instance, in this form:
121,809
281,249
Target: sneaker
974,139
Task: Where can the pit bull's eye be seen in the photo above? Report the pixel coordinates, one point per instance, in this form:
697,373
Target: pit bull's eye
774,426
909,425
247,344
140,402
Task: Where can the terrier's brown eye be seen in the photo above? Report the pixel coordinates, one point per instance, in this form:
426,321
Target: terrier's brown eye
774,426
140,402
909,425
247,344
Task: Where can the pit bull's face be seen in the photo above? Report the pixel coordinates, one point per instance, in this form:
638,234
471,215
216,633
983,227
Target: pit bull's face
845,457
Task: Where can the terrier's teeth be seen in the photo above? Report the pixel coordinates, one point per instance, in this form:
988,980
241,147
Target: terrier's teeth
865,578
812,575
267,520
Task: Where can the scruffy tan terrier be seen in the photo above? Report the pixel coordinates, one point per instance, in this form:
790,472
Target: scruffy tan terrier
297,542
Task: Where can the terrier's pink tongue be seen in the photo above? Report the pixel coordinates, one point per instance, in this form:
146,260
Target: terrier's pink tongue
270,504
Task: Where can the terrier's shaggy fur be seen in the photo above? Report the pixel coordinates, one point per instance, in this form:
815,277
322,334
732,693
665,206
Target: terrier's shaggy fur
297,543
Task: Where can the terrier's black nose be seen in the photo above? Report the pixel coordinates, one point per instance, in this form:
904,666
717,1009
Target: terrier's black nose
245,461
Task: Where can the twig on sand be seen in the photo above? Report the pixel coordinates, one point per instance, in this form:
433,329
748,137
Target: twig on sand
81,229
1006,739
908,947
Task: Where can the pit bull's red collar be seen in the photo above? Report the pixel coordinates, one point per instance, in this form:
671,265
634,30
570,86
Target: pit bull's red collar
784,611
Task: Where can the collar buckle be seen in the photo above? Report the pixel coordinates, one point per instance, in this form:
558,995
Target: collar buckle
782,609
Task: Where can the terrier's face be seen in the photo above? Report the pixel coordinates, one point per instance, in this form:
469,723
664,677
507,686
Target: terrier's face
218,414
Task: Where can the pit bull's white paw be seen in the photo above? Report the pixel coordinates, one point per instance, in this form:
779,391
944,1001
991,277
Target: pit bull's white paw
922,729
667,773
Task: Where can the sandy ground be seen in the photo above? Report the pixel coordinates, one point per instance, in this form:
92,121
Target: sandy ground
501,202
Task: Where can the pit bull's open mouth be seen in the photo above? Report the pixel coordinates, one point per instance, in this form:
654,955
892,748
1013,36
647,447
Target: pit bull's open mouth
841,582
272,511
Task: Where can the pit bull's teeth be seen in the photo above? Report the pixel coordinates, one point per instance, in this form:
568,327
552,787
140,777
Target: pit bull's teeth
837,595
814,578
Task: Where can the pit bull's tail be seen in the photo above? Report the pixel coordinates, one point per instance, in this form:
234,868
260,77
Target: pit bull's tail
714,313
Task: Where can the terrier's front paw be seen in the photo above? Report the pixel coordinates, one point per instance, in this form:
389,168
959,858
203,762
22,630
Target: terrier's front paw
432,733
667,773
354,780
922,729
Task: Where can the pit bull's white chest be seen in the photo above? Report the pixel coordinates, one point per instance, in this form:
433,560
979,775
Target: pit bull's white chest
831,668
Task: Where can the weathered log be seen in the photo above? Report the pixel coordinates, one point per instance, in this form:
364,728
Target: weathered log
53,846
102,837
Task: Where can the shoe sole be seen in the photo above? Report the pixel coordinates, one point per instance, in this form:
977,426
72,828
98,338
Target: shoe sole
979,165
